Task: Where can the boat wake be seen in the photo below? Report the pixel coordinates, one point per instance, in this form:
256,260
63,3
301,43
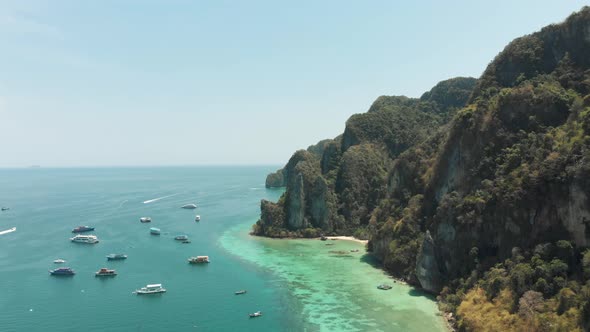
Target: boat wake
157,199
8,231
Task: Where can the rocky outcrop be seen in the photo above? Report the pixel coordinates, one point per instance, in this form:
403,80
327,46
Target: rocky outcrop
427,269
296,204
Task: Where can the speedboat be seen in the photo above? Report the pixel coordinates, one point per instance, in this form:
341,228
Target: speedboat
150,289
197,218
384,287
154,231
189,206
145,219
199,260
90,239
104,272
181,237
240,292
116,257
255,314
59,261
62,271
81,229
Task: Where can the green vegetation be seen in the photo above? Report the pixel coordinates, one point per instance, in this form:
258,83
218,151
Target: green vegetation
479,191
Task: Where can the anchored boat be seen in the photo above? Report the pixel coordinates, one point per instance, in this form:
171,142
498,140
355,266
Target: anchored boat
116,257
81,229
89,239
189,206
104,272
62,271
255,314
150,289
199,260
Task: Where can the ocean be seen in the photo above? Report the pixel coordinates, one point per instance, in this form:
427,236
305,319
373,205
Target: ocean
299,285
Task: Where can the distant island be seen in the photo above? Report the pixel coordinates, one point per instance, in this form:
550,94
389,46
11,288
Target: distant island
478,191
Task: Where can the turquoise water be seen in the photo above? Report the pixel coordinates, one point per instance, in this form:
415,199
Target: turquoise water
293,295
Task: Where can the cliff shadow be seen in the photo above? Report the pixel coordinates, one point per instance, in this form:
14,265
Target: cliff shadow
370,259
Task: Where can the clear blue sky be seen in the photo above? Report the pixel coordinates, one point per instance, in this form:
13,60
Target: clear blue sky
99,83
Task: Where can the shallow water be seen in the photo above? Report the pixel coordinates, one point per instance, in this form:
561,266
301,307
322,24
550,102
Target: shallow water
337,287
294,292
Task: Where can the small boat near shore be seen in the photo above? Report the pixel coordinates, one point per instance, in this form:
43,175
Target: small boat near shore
189,206
62,271
59,261
144,220
116,257
154,231
82,229
384,287
255,314
104,272
240,292
150,289
199,260
88,239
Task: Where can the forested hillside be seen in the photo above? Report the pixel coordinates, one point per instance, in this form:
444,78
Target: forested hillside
477,191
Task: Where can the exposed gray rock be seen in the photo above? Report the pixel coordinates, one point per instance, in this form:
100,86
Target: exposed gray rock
427,269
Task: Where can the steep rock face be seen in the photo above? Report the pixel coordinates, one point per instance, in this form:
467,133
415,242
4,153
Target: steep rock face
427,270
460,194
574,212
281,177
336,185
296,204
276,179
496,128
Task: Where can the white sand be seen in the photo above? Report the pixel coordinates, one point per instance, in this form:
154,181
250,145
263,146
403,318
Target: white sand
347,238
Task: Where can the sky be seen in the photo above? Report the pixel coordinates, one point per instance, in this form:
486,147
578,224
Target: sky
171,82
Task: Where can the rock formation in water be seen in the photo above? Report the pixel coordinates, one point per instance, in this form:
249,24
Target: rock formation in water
478,190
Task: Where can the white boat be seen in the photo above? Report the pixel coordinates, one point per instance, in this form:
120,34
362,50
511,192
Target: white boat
155,231
197,218
145,219
150,289
255,314
59,261
189,206
90,239
199,260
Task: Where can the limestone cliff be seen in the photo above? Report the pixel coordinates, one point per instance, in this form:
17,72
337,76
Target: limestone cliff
477,186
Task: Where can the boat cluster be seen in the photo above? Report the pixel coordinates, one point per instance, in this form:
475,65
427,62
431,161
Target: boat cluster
105,272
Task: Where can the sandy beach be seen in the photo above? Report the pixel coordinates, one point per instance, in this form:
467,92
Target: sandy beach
347,238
